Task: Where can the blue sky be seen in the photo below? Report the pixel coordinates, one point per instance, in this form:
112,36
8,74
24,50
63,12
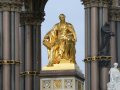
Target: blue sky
74,12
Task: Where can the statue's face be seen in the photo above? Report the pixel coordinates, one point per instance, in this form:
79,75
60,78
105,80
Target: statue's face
62,17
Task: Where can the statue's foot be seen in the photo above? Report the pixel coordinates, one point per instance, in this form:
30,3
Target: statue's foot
50,65
72,61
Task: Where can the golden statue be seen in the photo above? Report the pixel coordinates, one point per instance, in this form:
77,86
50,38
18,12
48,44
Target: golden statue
60,42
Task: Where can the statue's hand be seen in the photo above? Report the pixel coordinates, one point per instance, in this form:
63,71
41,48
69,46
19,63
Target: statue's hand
112,34
46,42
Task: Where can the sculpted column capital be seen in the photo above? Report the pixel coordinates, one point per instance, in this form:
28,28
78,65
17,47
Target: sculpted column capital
30,18
114,14
33,12
95,3
10,6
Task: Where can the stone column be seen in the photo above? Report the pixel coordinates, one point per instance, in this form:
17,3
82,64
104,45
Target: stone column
17,51
94,48
118,40
37,55
22,55
6,50
105,13
104,70
114,18
87,47
30,41
10,24
31,19
100,24
28,56
1,47
91,30
113,44
12,48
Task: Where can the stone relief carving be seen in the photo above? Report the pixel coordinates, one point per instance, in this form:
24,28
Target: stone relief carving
46,84
57,84
68,83
106,35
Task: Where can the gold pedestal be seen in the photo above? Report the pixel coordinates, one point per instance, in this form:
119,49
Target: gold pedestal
62,66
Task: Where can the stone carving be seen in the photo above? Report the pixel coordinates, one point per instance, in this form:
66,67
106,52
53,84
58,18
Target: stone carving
10,5
46,84
105,37
61,83
68,83
114,83
114,12
57,84
115,2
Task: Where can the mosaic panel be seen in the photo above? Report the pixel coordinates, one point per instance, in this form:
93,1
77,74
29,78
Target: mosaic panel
57,84
46,84
68,83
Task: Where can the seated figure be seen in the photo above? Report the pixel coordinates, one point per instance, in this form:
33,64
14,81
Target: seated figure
60,42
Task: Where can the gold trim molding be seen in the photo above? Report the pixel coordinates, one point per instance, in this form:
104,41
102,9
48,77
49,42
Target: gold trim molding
30,73
3,62
97,58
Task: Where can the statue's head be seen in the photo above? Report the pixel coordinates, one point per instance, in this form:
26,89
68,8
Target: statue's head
62,17
107,24
115,65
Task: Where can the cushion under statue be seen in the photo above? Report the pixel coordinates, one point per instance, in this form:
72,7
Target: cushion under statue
114,83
